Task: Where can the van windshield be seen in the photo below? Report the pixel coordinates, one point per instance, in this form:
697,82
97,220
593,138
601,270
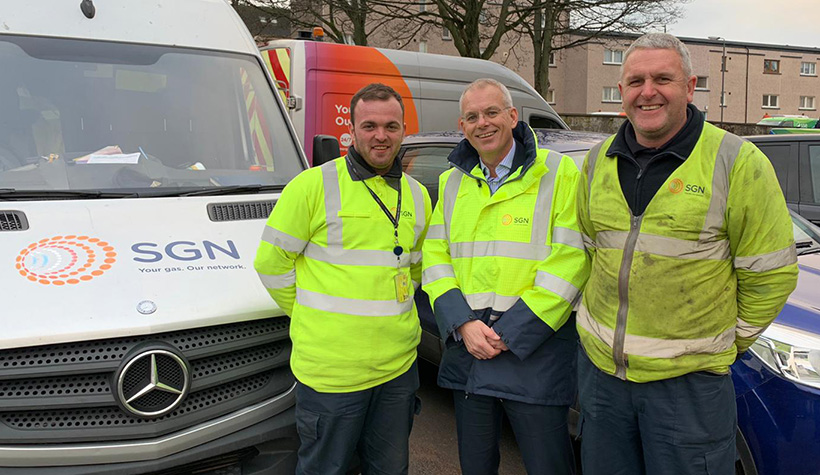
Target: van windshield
98,116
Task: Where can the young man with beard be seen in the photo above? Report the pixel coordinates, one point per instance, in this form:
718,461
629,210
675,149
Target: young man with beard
341,255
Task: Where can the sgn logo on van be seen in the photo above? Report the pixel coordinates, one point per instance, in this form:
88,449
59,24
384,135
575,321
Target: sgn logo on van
677,185
65,260
149,252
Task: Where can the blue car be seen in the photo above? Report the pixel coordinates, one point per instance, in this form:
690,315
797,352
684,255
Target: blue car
777,381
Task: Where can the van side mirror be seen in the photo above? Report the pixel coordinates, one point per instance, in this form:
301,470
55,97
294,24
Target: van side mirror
325,149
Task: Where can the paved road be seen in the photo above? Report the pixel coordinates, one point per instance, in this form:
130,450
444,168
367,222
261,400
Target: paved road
433,444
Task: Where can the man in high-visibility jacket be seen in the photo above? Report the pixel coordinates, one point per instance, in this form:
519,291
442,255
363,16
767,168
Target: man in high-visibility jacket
341,255
504,262
692,258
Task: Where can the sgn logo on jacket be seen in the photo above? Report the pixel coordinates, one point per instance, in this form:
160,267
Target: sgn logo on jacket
677,185
509,219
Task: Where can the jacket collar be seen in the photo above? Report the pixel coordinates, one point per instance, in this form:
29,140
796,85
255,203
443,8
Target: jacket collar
681,145
465,157
365,171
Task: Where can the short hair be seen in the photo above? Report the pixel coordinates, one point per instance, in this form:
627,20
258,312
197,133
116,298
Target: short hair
375,92
484,82
661,41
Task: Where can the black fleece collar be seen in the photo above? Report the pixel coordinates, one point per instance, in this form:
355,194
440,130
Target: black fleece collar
366,171
465,157
681,145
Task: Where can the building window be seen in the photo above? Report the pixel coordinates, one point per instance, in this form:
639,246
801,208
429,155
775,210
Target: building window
808,69
771,66
611,94
422,5
807,103
770,101
422,46
445,34
702,84
552,58
613,56
551,96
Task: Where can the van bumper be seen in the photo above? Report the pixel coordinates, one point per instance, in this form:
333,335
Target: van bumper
265,447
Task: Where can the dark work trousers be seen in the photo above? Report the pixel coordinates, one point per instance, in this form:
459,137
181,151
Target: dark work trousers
678,426
541,432
375,423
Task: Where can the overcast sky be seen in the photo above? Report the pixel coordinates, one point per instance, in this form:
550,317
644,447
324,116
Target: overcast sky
792,22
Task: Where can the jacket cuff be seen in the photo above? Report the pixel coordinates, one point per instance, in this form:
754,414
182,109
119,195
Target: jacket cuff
521,330
451,311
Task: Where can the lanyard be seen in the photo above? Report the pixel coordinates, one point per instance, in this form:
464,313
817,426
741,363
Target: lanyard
394,220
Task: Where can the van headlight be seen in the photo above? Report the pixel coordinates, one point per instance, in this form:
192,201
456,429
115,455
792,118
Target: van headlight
792,353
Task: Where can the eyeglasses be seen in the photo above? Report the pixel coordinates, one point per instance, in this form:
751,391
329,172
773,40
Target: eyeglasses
489,114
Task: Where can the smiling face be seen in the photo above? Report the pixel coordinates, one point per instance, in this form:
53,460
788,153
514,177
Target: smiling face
487,123
378,132
655,92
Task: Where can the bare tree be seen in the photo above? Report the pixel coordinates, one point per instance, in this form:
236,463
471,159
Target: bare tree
562,24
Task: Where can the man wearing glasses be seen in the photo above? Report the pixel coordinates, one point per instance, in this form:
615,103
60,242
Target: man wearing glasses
503,264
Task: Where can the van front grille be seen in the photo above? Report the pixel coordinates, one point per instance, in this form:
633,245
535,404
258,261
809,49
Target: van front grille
13,221
67,393
240,211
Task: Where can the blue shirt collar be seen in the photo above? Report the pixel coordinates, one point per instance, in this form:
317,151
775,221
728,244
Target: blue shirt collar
503,168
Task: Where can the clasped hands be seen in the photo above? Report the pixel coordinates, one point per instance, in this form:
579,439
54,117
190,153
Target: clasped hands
481,341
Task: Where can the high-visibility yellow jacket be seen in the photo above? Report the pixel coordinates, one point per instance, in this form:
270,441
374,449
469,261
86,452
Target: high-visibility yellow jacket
698,276
514,259
327,259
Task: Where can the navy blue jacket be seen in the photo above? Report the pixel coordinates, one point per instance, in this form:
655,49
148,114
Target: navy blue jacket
547,374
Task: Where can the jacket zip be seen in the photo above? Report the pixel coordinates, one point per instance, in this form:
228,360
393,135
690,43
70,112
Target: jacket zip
621,359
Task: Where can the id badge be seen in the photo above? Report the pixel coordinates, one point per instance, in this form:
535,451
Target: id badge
402,281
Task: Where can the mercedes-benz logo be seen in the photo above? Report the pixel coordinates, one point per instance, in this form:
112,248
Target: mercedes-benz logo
153,382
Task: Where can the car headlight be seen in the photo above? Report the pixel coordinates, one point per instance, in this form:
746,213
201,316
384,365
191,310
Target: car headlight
792,353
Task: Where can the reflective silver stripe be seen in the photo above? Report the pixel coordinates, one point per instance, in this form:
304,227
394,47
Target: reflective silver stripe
568,237
418,202
499,303
747,330
725,160
543,202
666,246
657,347
355,257
415,257
436,231
333,204
285,241
556,285
434,273
516,250
449,198
364,308
274,282
767,262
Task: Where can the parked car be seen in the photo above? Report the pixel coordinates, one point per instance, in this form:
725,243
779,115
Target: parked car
796,160
777,381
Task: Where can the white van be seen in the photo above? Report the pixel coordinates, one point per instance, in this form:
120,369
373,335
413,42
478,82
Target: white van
142,147
317,80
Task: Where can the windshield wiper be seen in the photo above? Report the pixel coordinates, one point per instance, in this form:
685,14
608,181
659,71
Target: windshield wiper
222,190
12,194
